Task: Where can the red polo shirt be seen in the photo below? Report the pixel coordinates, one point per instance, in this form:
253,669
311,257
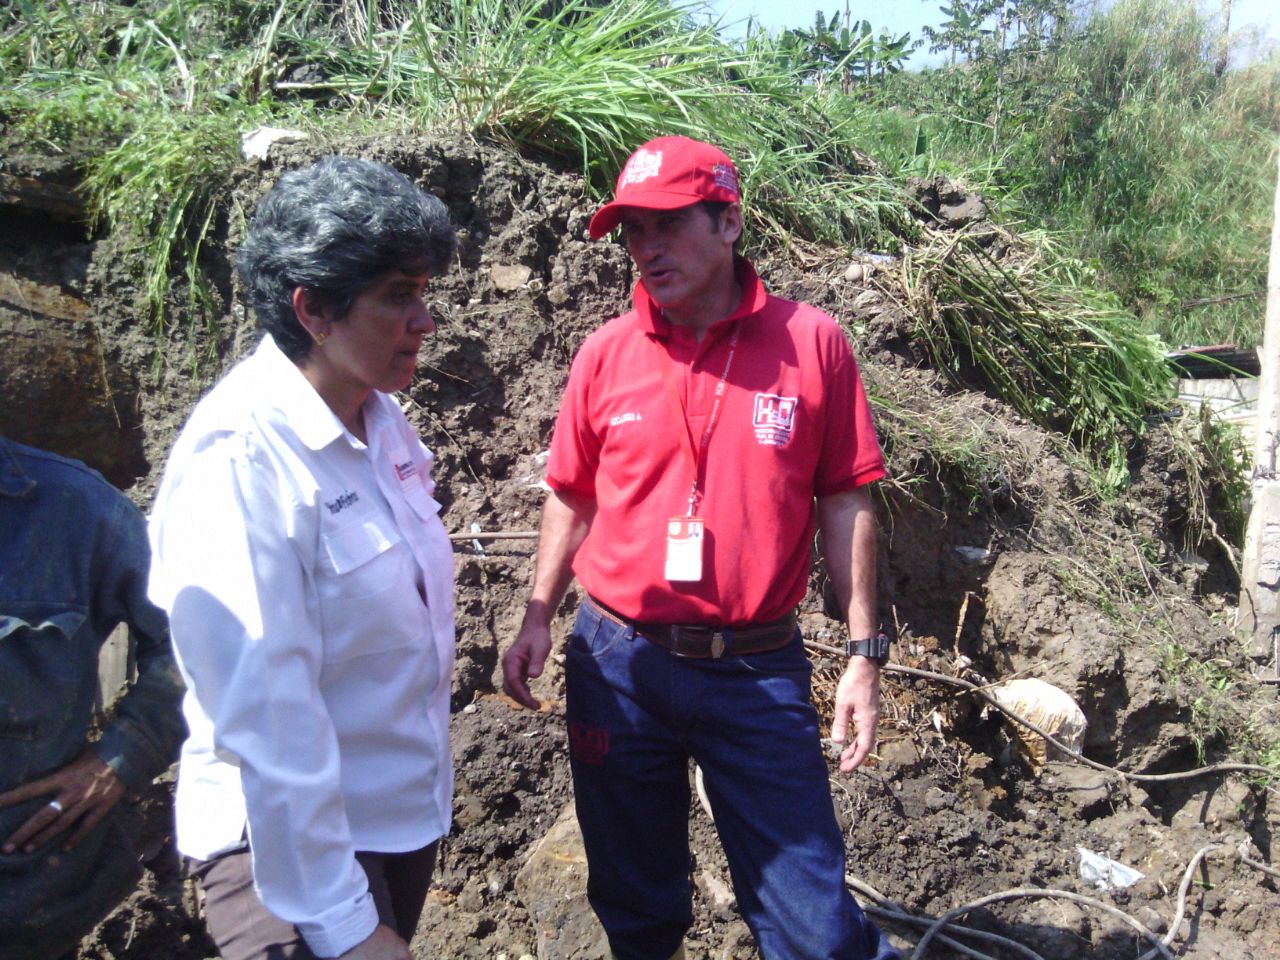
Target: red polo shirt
794,425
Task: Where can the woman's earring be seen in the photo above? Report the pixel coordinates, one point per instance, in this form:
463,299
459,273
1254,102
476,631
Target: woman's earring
321,337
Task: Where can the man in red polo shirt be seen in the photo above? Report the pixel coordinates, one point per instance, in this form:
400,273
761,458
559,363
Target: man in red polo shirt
700,436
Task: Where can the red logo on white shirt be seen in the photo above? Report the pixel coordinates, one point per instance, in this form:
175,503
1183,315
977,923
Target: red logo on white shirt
773,419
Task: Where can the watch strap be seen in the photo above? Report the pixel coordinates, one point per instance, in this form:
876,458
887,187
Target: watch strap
875,648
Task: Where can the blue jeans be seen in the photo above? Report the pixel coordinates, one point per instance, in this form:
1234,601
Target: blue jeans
636,713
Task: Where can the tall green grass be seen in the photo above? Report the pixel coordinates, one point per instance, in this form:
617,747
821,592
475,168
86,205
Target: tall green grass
1123,139
580,81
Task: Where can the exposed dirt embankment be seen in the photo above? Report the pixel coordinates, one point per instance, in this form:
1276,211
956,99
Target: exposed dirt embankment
996,570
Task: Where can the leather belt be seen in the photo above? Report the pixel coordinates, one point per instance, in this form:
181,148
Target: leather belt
701,642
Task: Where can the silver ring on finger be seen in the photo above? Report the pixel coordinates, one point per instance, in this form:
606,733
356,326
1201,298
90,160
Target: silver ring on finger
57,807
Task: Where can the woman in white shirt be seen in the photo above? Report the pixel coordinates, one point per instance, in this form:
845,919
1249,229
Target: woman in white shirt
308,580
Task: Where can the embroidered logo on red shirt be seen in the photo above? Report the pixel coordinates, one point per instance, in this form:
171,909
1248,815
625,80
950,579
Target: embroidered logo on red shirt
588,744
774,419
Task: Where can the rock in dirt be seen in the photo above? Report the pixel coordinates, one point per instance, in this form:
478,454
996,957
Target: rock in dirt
552,885
509,277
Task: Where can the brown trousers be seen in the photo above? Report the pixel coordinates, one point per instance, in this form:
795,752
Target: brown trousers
244,929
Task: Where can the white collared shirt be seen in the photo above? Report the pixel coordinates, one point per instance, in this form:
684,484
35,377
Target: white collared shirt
309,583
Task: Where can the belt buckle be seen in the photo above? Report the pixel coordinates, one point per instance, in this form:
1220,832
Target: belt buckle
717,644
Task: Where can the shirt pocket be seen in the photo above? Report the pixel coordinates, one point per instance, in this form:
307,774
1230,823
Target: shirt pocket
367,586
48,682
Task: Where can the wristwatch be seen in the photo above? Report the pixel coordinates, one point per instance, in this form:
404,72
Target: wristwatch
875,648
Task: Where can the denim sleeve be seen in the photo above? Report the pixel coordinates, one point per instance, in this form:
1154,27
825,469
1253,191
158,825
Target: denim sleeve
143,737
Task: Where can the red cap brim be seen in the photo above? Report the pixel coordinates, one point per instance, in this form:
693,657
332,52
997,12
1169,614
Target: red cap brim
607,217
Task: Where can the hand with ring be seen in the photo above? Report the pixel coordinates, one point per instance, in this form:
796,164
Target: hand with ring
80,795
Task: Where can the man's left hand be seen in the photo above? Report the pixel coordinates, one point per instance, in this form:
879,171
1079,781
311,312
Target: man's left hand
857,700
84,791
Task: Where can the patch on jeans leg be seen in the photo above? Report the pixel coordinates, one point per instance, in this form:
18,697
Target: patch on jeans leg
588,744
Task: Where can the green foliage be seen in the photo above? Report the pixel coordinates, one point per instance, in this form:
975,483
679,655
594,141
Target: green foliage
160,187
1063,355
1212,687
1119,130
962,458
581,80
963,29
1214,458
140,89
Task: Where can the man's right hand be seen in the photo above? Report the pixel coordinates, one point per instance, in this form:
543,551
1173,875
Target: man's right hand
77,797
566,519
383,944
525,660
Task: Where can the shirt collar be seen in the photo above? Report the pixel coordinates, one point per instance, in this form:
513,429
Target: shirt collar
305,410
14,481
753,300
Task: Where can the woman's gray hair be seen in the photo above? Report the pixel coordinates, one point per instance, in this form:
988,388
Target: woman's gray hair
333,228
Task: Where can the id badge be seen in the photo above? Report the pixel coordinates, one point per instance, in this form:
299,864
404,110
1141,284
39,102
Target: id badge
684,549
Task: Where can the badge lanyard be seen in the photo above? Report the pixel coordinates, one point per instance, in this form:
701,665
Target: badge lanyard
686,535
700,452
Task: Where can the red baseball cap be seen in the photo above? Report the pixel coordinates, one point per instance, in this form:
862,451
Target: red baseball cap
666,174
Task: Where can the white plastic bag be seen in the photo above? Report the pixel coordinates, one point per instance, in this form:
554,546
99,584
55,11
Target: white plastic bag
1105,873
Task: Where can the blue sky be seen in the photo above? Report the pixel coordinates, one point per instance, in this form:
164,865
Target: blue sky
908,16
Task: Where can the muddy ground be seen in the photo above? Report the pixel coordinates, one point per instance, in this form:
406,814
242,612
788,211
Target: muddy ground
1003,569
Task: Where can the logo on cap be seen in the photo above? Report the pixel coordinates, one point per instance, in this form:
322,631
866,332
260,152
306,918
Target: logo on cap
642,165
725,177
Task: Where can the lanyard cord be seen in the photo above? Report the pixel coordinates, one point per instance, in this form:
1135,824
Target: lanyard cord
700,452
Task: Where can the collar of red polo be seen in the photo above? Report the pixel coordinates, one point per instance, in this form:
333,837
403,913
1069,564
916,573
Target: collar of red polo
753,300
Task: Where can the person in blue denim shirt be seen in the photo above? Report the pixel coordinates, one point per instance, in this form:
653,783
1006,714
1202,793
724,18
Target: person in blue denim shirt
74,561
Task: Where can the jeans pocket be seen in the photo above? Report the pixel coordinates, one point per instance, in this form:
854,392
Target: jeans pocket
789,659
593,635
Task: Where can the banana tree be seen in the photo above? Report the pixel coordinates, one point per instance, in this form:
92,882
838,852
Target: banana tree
828,50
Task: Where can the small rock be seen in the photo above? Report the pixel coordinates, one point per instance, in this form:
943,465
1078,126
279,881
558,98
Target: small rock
718,893
1151,918
508,277
1081,790
938,799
